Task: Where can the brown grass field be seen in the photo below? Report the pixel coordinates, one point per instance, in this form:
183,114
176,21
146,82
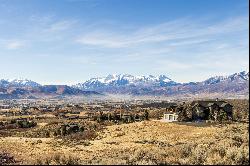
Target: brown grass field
147,142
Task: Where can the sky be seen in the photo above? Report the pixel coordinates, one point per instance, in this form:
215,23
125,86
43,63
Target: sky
71,41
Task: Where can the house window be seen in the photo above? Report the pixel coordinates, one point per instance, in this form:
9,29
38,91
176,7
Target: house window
171,117
165,116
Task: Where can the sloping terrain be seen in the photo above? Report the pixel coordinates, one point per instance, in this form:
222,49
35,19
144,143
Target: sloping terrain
149,142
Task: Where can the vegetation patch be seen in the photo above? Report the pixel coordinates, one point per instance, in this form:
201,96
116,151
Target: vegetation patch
6,158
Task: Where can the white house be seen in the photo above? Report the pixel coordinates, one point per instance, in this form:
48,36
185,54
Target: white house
170,117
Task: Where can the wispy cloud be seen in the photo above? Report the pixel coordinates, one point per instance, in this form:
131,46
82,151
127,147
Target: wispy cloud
60,25
174,31
44,29
103,39
12,44
95,38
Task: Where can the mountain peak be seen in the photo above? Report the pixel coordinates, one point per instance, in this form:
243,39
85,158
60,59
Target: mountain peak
125,79
239,77
236,83
18,82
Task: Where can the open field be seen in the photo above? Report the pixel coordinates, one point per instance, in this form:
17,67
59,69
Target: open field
147,142
121,133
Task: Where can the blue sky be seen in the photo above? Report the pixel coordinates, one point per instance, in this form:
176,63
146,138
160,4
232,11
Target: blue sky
70,41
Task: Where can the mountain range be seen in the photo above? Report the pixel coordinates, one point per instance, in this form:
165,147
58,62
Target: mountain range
234,84
125,80
19,89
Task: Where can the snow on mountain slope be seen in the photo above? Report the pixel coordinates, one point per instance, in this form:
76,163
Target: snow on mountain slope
4,83
237,83
18,83
125,79
24,82
239,77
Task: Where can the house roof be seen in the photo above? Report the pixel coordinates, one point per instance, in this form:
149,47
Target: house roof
210,103
170,113
224,104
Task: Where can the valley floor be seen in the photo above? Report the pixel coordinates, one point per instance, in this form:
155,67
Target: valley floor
148,142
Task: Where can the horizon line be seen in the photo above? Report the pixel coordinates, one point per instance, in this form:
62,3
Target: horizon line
71,84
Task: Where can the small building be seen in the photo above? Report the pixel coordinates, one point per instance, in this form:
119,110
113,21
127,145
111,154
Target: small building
170,117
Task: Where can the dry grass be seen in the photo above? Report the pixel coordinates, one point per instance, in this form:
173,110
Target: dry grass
149,142
57,159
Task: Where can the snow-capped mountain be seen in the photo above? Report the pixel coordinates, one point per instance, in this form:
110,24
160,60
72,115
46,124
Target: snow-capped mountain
20,89
162,85
125,80
18,83
4,83
236,77
234,85
24,83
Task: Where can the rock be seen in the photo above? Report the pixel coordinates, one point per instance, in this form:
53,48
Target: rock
39,141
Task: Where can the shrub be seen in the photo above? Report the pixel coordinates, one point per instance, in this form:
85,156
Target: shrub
6,158
58,159
26,124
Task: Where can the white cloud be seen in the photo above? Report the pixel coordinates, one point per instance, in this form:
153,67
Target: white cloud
174,31
47,28
60,25
15,44
101,39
